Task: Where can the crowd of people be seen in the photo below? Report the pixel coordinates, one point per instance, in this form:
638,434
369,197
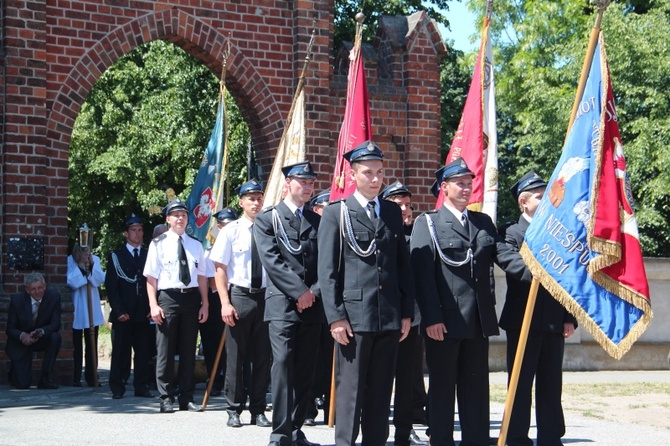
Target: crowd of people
293,287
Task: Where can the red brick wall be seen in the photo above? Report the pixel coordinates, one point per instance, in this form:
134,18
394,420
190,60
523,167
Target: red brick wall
54,52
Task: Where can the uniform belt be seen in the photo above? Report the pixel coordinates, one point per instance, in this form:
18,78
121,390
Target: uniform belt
180,290
248,290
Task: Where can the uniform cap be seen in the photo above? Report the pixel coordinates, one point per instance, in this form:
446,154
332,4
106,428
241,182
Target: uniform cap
396,188
249,187
226,215
132,220
175,205
299,170
531,180
321,198
456,168
362,152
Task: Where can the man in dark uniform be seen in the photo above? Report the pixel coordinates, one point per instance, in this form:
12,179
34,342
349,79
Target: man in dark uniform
177,290
240,283
409,386
130,315
550,326
453,251
33,324
368,295
286,235
212,330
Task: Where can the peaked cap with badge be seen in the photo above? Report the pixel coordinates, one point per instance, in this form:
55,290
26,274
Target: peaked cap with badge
396,188
363,152
249,187
456,168
299,170
531,180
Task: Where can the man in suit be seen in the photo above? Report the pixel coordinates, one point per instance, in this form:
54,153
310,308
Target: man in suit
33,324
132,330
409,386
551,324
241,282
453,250
286,235
368,295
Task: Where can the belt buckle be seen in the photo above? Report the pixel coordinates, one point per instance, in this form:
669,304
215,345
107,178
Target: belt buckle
255,290
184,290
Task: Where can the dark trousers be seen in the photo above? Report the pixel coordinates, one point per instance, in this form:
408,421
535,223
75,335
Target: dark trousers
323,376
21,357
406,373
128,337
458,366
542,361
91,354
177,334
247,339
294,351
210,336
365,369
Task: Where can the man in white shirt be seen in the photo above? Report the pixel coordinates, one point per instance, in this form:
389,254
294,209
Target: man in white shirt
177,290
240,283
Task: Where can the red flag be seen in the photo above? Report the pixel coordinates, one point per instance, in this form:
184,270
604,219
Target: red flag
356,127
476,140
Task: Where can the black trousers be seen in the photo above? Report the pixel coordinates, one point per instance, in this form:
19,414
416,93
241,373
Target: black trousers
21,357
91,350
322,379
294,351
458,366
365,369
248,339
128,337
543,361
177,334
406,374
210,336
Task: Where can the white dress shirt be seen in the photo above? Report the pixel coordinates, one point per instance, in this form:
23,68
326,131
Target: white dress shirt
163,260
233,249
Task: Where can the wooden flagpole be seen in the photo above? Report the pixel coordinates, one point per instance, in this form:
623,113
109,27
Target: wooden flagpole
535,284
215,368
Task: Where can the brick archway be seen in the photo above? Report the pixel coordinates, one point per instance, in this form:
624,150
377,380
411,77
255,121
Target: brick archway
52,53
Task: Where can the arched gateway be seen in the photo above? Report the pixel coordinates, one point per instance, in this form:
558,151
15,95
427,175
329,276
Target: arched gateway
53,52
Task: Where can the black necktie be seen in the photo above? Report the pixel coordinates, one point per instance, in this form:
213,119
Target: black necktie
256,266
136,253
184,273
373,213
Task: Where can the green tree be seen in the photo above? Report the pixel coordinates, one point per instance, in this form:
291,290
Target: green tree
540,49
141,131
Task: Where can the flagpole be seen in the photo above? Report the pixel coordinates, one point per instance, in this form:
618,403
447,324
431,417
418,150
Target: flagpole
590,51
532,294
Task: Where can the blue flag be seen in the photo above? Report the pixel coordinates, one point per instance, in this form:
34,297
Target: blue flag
583,243
206,196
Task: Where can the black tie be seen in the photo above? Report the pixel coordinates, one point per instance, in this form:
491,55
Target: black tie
184,273
136,253
256,266
298,214
373,213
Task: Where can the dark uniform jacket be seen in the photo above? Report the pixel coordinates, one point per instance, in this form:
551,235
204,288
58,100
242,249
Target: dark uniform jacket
124,296
463,298
548,315
20,317
374,293
289,275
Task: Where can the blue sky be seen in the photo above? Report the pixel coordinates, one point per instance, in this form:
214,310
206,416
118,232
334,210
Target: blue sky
462,23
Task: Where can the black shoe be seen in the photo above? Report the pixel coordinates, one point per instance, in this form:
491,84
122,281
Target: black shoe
117,396
166,406
234,420
274,443
260,420
144,394
191,407
47,385
309,422
304,442
76,384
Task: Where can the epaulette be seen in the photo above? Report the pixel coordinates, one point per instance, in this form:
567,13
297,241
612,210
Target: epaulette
336,201
434,211
267,209
194,238
160,237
